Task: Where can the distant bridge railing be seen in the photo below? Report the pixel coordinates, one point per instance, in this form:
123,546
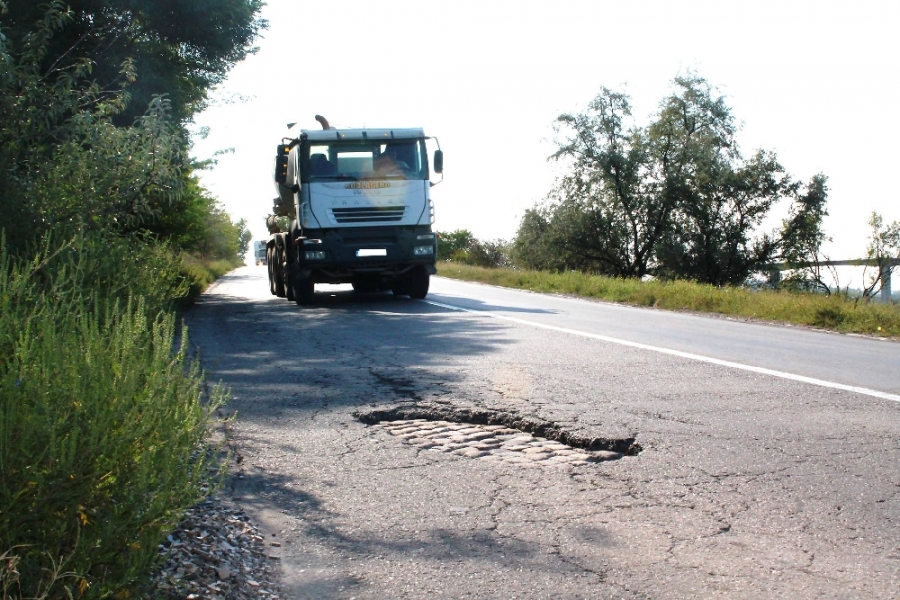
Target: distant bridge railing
887,265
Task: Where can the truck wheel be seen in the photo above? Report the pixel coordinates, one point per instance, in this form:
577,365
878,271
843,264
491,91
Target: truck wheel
270,264
418,284
289,284
304,291
279,273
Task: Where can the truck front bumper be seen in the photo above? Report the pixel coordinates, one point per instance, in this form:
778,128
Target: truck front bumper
342,256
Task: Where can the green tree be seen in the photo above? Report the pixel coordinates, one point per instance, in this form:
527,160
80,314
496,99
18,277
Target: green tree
884,249
720,199
244,237
802,237
534,247
63,164
180,48
609,214
490,254
66,166
675,198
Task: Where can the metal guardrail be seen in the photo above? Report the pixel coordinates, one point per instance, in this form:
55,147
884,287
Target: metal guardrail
887,266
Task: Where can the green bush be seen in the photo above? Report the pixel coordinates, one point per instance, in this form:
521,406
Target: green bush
452,242
460,246
102,424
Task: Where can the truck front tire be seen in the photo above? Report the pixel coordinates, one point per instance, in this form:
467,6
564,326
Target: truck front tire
289,285
304,291
417,285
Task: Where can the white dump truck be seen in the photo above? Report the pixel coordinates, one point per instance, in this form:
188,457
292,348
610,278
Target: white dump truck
358,203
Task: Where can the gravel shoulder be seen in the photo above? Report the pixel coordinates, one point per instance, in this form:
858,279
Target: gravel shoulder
216,553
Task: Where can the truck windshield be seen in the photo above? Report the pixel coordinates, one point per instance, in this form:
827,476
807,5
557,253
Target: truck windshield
355,160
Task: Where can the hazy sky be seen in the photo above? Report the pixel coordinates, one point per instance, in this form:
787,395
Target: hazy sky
816,82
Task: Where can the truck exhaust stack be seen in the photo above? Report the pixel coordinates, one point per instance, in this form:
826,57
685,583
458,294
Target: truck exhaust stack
323,122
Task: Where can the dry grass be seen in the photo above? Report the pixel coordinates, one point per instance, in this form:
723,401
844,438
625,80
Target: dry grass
815,310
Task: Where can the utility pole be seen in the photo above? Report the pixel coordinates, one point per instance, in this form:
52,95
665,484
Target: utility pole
886,282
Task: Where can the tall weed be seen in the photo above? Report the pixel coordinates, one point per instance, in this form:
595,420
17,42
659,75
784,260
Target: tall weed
103,421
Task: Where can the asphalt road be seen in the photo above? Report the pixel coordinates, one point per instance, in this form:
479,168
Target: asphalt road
750,483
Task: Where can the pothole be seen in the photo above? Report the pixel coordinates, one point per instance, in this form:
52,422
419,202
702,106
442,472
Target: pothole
497,436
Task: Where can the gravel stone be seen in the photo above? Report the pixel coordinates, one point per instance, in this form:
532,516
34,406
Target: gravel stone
607,455
216,552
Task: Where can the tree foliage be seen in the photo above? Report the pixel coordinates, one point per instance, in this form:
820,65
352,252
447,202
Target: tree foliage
884,249
675,198
452,242
197,223
536,245
609,213
802,238
719,198
180,48
65,163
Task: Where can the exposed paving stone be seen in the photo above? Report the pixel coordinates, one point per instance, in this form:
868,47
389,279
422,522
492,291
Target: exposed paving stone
451,424
493,442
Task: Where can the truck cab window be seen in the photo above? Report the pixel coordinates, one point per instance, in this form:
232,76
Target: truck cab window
352,160
319,166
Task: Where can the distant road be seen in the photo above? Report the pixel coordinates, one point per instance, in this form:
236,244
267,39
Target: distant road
849,360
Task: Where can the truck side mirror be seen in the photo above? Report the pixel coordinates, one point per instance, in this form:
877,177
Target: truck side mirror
438,161
281,163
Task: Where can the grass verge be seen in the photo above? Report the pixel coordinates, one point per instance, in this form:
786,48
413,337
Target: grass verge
202,273
815,310
104,418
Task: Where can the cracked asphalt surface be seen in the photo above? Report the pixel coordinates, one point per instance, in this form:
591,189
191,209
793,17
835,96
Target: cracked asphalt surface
747,486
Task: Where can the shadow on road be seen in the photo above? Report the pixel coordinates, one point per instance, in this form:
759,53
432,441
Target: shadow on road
341,297
438,544
285,357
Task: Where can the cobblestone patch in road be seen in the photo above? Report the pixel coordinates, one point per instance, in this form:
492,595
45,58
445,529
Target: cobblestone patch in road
443,426
491,442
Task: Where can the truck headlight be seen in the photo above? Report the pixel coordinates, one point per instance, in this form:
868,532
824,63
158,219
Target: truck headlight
314,255
423,250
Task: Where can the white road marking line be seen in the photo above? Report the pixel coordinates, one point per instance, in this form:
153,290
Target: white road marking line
679,353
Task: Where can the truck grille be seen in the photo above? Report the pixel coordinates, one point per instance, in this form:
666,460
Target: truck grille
368,214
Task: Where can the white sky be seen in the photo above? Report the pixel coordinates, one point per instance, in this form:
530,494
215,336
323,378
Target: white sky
817,82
